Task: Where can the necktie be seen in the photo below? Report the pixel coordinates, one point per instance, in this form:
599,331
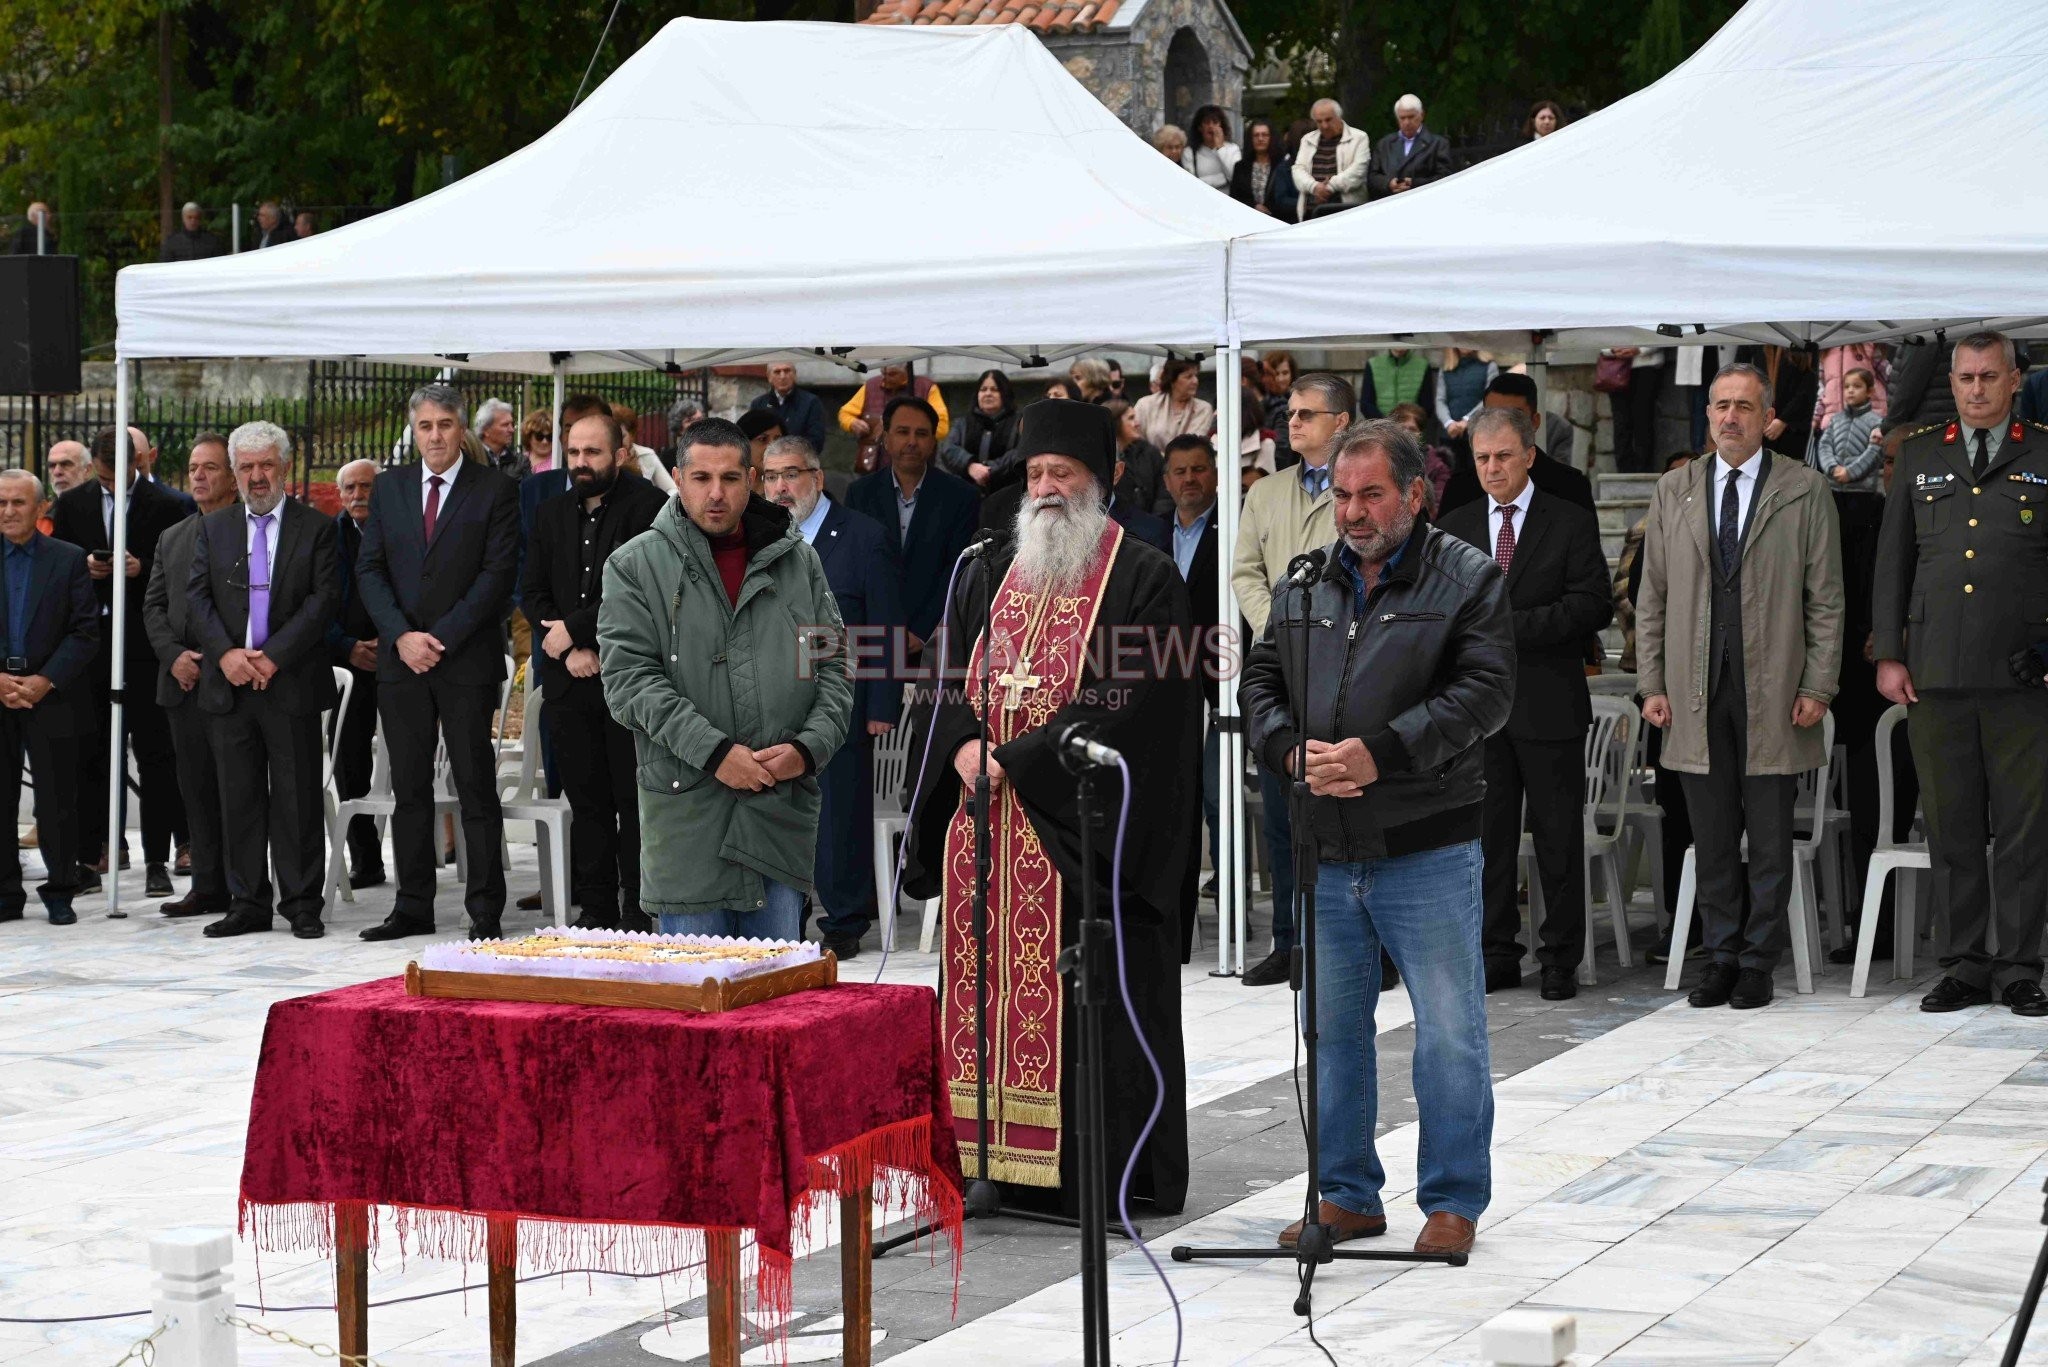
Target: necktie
1982,459
433,505
259,584
1315,479
1504,544
1730,531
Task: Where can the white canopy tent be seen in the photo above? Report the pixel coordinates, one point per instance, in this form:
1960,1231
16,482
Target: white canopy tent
1821,171
865,191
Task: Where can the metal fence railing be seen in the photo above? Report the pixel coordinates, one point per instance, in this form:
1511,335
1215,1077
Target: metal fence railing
351,410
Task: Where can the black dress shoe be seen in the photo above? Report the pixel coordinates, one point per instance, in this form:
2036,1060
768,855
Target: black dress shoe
637,921
63,916
1847,953
396,927
1752,989
237,923
586,921
368,878
1269,970
531,902
1502,975
10,914
308,928
1953,994
193,904
87,882
1559,985
2025,999
157,882
1716,985
486,930
843,947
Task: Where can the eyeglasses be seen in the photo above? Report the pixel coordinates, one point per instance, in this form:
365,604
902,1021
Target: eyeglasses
785,476
1304,414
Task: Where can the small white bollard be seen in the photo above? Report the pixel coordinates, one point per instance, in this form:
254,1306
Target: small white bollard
1529,1338
192,1295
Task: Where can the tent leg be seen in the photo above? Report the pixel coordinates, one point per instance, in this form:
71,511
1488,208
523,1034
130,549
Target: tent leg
1232,886
117,749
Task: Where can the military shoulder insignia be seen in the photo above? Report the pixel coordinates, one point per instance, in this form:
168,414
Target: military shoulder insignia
1950,433
1920,431
2018,430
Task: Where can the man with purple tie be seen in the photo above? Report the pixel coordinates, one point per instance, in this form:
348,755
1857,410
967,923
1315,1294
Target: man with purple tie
262,594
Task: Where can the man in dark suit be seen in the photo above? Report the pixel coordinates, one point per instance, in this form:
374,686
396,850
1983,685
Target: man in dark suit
927,515
49,629
180,655
1409,156
352,644
867,584
1191,482
263,594
85,518
573,535
436,569
801,413
1558,591
1550,475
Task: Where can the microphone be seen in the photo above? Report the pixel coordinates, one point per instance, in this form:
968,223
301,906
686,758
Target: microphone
1305,568
985,544
1076,748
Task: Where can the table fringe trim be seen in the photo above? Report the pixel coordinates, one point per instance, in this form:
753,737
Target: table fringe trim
898,1156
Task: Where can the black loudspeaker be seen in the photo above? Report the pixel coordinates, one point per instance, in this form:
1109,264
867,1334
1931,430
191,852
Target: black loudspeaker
39,337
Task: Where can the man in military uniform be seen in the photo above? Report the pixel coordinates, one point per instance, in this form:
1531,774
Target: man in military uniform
1961,614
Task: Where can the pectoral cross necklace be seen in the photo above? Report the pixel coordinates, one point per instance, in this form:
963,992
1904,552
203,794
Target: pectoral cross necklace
1016,680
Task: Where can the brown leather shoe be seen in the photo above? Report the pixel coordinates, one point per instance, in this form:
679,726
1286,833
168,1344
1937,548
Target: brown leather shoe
1446,1233
1345,1225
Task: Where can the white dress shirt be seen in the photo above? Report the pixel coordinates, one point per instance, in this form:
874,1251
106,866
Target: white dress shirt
810,525
1745,490
447,482
1520,503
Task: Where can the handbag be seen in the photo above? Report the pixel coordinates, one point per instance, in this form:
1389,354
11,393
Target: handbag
1610,376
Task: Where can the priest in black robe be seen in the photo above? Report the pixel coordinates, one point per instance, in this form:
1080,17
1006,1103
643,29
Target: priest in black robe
1087,625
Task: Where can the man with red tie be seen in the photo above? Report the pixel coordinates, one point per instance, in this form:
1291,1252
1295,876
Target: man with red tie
1549,549
436,569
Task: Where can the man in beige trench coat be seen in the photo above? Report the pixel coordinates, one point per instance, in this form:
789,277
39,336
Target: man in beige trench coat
1739,645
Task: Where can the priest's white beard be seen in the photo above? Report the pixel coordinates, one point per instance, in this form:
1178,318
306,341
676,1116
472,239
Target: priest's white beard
1057,538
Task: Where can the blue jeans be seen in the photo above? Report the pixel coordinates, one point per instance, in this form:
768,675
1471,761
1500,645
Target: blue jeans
781,917
1425,909
1279,854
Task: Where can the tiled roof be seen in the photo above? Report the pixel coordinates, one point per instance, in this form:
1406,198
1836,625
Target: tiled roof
1047,16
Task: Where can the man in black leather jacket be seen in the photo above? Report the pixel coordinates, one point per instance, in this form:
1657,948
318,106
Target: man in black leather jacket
1411,666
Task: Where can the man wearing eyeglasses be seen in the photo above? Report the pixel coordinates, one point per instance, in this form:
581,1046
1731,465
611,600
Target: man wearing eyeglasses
1282,518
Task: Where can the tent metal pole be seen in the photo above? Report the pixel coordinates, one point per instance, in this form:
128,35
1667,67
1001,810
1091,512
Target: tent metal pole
1233,886
561,460
117,655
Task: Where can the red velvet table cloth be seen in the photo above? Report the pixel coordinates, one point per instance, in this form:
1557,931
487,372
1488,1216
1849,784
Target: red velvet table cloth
616,1136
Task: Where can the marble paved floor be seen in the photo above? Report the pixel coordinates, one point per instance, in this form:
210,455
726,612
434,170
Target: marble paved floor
1827,1181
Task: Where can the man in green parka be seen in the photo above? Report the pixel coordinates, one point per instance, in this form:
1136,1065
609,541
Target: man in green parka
721,650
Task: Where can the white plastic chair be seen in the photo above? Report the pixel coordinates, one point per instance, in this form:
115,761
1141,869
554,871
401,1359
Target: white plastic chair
892,767
380,804
1812,806
1645,822
524,798
1888,857
1610,748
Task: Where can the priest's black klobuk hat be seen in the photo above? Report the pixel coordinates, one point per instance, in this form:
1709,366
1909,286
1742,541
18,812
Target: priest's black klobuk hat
1068,427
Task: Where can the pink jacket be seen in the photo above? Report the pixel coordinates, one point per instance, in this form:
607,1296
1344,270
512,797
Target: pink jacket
1836,362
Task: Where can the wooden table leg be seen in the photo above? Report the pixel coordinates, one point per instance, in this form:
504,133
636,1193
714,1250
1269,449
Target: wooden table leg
857,1265
501,1256
352,1276
722,1271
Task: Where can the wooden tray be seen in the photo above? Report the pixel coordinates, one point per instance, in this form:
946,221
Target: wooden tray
713,994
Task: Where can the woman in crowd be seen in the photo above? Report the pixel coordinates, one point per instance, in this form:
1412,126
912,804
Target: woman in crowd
1175,411
1171,143
1461,389
1255,448
1795,391
988,431
536,444
1545,118
1090,379
1213,157
1059,389
1278,368
1436,460
1144,467
1264,178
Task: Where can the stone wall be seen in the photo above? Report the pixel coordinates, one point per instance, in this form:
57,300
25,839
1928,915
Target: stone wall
1127,68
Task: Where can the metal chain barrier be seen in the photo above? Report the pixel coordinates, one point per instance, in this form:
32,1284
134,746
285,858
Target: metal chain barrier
318,1350
144,1350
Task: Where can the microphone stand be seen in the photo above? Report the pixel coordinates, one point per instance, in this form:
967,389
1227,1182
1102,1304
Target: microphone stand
2029,1303
1084,962
1316,1244
982,1200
